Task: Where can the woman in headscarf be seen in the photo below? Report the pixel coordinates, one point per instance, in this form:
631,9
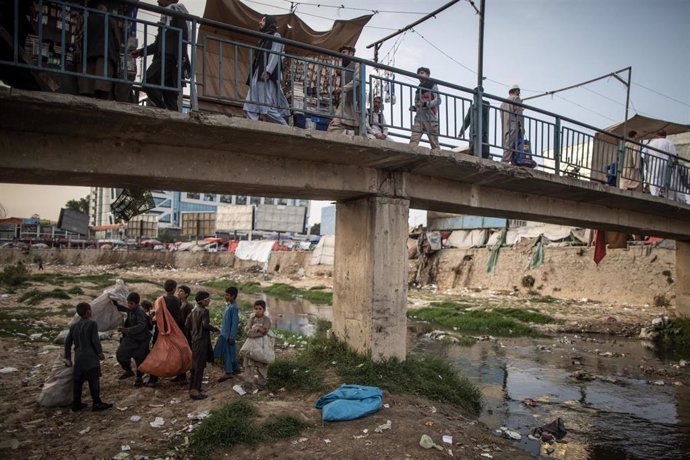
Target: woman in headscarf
265,96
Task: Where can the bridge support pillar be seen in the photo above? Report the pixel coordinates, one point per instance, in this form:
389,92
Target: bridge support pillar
370,275
683,278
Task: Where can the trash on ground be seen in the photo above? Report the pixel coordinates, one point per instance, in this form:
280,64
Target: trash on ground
429,423
555,428
8,370
385,426
158,422
239,390
447,439
125,447
529,402
427,443
349,402
198,415
134,418
509,434
85,430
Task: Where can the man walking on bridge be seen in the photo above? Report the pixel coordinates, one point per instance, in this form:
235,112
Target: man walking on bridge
513,123
426,102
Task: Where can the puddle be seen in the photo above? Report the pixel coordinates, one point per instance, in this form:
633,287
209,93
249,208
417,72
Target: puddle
298,315
626,419
605,420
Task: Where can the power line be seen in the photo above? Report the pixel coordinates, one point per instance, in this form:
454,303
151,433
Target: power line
343,7
314,15
662,94
585,108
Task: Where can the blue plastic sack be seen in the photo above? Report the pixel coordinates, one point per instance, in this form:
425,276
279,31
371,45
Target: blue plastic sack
349,402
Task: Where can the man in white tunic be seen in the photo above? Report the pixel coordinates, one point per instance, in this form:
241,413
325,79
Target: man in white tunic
265,96
661,165
513,123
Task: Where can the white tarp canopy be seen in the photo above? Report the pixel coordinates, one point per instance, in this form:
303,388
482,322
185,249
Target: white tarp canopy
324,253
259,251
468,238
551,232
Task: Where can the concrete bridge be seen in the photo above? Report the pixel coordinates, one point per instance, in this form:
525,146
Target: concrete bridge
48,138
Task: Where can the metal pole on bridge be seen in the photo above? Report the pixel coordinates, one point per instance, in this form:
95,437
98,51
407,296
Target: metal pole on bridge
480,90
621,145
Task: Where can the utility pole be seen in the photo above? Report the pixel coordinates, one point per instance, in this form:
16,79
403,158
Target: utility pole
479,91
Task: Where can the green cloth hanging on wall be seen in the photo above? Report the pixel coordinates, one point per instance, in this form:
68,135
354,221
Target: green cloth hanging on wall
537,253
491,266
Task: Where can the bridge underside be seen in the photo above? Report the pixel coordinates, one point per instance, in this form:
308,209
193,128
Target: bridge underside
67,140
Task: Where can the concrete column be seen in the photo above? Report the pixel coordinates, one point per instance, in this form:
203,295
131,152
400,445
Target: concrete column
683,278
370,276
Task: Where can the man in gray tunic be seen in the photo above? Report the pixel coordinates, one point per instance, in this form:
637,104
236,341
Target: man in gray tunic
265,96
513,123
347,114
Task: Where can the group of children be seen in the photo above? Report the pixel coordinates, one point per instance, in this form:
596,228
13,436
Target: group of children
139,330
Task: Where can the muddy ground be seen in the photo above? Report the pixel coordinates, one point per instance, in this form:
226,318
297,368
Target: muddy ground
30,431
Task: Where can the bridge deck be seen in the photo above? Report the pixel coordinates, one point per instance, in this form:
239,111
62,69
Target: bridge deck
59,139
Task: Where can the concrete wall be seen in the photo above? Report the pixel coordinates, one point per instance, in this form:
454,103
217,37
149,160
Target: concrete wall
632,276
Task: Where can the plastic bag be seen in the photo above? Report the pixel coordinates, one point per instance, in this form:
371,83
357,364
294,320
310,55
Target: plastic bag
171,355
103,311
57,390
260,348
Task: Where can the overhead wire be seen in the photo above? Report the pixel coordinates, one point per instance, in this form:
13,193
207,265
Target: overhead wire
662,94
343,7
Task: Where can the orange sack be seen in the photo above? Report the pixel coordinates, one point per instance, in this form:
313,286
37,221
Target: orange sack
170,355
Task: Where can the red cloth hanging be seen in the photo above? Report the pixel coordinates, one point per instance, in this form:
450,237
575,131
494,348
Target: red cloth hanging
599,246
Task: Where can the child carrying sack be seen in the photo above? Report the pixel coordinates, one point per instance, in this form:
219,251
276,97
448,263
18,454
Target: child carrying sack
171,355
260,348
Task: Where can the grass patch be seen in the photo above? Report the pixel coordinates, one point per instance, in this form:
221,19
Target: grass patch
320,287
13,276
428,377
76,290
233,424
486,322
674,342
34,296
251,287
542,298
526,316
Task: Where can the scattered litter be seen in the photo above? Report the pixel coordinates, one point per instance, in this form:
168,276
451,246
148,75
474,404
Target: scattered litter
429,423
36,336
239,390
365,431
8,370
487,455
509,434
450,452
387,406
134,418
156,405
158,422
659,382
121,456
433,410
174,401
360,365
529,402
300,440
198,415
447,439
533,438
682,363
122,409
555,428
385,426
125,447
327,441
85,430
427,443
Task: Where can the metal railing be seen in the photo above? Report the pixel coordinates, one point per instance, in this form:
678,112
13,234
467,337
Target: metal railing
53,37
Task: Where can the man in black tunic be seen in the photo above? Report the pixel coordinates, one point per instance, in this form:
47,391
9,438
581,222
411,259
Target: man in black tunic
87,356
135,339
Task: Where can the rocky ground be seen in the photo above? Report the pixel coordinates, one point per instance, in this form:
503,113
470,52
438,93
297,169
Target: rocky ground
30,431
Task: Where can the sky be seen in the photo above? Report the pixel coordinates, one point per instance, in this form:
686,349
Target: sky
541,45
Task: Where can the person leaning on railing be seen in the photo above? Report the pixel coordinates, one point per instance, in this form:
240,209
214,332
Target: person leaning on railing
347,114
631,174
167,41
512,122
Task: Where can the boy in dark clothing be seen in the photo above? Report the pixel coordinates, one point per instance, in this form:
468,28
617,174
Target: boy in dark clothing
186,308
198,323
135,339
87,356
